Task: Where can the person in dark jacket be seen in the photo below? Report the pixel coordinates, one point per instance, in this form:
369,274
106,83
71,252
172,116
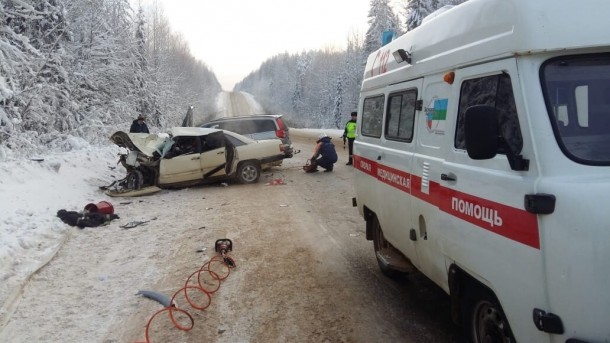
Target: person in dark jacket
326,152
139,126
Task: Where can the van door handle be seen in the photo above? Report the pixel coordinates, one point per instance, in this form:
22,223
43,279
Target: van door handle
195,158
448,177
379,158
220,153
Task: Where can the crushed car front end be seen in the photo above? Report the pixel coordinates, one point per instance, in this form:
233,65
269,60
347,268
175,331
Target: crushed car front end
142,157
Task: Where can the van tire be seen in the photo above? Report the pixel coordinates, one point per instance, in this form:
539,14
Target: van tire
248,172
380,244
483,317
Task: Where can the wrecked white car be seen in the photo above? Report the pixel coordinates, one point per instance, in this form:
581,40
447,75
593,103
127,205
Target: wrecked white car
191,155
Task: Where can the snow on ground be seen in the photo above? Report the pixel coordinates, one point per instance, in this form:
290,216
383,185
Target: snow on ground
33,189
31,193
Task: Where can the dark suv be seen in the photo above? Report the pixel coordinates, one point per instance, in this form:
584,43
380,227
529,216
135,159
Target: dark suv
256,126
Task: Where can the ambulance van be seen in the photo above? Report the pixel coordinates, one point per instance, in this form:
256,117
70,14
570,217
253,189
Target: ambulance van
483,161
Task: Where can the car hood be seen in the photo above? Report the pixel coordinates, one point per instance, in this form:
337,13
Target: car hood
145,143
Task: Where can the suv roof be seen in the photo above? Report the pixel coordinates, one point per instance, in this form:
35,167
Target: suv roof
257,126
251,116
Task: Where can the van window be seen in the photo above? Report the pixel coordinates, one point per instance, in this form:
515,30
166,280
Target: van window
496,91
401,116
372,115
577,95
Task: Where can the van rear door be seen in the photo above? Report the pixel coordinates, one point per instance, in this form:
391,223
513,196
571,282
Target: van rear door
394,158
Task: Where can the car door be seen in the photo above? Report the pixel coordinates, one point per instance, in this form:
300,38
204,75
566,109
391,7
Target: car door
214,155
185,165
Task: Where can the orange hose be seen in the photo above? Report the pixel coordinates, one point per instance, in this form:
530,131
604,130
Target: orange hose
224,263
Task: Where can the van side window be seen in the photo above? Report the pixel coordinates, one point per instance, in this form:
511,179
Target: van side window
497,91
401,116
372,115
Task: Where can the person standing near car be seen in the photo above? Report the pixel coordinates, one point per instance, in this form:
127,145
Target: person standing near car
139,126
350,135
326,152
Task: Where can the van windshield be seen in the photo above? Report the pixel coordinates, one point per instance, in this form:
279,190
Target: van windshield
577,96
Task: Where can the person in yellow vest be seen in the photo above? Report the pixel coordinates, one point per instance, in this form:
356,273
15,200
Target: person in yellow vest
350,135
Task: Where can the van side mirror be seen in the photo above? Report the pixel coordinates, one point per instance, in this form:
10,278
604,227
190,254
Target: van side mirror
481,132
483,138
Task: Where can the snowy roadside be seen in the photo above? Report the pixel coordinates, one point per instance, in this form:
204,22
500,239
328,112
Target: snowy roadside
32,191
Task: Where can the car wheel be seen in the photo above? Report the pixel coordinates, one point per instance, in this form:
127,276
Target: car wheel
485,319
383,248
135,180
248,172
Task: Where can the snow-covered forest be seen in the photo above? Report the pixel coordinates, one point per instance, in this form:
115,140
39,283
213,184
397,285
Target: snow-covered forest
72,70
75,71
320,88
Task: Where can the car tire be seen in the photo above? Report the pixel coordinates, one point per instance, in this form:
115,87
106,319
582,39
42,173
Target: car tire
484,318
135,180
248,172
380,244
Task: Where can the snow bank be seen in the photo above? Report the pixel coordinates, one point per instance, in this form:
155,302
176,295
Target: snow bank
31,193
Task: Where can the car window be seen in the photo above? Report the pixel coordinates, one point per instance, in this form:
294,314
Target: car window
265,125
184,146
245,126
231,126
213,141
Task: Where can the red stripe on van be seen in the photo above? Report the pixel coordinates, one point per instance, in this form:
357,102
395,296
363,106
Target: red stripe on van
513,223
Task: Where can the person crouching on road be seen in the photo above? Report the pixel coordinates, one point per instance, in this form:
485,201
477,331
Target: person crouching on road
326,152
139,126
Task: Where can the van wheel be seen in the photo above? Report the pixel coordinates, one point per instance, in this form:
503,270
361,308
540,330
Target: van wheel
485,319
248,172
135,180
384,251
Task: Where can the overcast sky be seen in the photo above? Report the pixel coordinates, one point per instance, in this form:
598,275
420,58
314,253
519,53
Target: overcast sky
233,37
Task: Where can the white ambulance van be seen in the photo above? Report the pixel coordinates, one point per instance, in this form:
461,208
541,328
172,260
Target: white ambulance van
483,161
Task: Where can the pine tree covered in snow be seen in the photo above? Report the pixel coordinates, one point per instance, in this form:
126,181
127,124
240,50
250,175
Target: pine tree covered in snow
308,88
83,69
16,56
381,18
338,103
417,10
